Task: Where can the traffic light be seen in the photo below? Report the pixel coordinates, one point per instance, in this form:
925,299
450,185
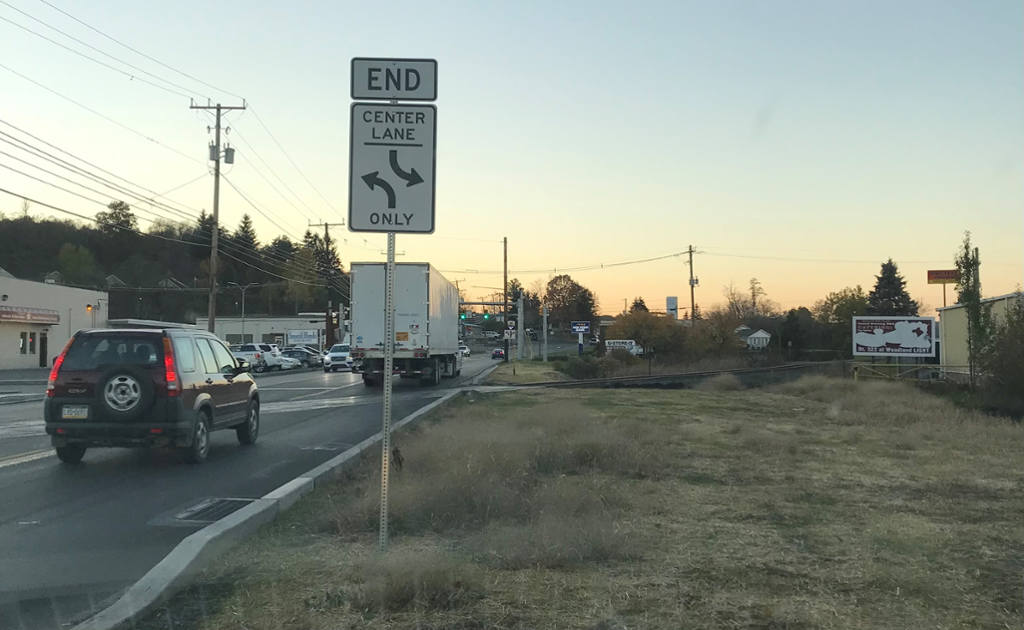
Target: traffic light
487,315
462,316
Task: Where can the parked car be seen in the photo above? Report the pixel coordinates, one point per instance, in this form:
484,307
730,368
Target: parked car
491,334
148,388
264,357
338,358
464,349
288,363
498,353
306,357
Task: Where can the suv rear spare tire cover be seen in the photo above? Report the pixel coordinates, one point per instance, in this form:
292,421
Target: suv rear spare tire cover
125,393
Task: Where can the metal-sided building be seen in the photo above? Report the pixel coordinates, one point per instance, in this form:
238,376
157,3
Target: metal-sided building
304,329
953,332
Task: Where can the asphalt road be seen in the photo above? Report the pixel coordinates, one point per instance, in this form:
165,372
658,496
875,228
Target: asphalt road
73,537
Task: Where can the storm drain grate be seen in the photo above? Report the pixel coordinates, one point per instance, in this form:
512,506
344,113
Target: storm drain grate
211,510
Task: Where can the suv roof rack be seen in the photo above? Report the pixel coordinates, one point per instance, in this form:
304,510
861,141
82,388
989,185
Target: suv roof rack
146,323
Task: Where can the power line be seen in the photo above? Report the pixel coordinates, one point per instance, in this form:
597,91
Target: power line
265,128
103,116
274,173
84,161
91,47
120,43
97,61
255,207
120,190
159,236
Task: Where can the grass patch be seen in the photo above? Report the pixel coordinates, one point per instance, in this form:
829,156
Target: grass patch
721,383
812,504
526,372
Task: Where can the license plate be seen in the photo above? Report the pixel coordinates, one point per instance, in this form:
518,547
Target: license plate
75,412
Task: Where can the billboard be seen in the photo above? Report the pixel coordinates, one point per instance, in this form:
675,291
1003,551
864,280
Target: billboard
893,335
943,276
672,306
623,344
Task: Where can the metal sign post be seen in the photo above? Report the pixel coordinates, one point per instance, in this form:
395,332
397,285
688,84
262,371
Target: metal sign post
392,150
389,359
581,328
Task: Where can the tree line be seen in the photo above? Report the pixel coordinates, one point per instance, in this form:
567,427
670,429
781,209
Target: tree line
163,272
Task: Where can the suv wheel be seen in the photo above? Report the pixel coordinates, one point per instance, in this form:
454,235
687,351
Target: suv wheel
250,429
125,393
200,448
70,454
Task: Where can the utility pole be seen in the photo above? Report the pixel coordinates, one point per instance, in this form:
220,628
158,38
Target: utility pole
504,295
215,155
520,326
545,333
329,321
693,283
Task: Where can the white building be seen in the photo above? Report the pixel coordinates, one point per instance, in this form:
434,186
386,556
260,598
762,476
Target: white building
38,318
304,329
754,340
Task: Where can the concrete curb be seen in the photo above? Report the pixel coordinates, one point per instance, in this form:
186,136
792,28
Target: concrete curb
479,378
201,548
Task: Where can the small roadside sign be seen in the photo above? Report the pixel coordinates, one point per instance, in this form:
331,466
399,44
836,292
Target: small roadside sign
581,327
384,79
391,168
510,335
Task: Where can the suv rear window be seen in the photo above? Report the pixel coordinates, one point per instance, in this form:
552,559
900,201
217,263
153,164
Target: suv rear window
102,351
339,348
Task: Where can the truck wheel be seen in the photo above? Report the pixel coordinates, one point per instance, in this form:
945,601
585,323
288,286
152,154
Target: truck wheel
369,382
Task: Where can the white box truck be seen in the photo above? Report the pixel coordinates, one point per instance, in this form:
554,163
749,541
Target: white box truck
426,323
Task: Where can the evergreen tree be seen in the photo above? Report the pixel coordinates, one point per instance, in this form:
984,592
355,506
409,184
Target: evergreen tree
968,293
638,305
245,235
890,297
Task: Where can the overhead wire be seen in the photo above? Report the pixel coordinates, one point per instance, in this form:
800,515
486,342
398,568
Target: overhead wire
94,60
279,146
121,190
138,52
91,47
103,116
99,168
274,173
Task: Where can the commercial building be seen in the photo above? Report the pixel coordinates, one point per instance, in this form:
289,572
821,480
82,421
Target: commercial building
953,332
304,329
38,318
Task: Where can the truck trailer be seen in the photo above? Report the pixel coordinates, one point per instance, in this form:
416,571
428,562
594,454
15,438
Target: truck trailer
426,323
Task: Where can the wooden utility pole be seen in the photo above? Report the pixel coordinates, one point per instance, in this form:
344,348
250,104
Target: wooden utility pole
693,283
215,155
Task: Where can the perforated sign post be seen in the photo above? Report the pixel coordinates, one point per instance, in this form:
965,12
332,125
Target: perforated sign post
581,328
391,186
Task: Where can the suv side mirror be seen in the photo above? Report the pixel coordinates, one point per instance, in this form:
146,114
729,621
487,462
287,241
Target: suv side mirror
243,367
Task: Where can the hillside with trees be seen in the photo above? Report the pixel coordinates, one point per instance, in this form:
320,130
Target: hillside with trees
163,272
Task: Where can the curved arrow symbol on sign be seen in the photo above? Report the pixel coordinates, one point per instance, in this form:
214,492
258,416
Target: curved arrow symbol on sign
372,180
412,178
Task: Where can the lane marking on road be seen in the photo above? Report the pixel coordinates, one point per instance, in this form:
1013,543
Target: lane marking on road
24,458
327,391
22,428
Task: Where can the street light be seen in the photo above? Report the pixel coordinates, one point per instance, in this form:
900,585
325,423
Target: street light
242,289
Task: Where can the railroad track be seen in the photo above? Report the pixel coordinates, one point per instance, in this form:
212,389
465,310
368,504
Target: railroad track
750,376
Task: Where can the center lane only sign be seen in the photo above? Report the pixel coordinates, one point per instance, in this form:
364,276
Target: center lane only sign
392,168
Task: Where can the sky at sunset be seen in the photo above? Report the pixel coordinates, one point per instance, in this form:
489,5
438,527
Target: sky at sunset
801,143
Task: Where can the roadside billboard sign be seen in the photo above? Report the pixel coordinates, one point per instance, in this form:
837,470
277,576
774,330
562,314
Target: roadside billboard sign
672,306
943,276
581,327
896,335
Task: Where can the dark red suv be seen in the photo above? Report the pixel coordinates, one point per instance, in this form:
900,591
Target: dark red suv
148,387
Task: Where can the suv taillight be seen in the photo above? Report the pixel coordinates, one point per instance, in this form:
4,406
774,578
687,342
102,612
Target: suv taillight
51,384
170,371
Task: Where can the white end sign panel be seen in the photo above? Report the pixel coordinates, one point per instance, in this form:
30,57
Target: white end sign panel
375,78
391,168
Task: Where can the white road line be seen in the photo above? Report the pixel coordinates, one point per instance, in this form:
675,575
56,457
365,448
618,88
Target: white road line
25,458
22,428
324,392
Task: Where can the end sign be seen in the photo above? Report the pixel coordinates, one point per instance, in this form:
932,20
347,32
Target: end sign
383,79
